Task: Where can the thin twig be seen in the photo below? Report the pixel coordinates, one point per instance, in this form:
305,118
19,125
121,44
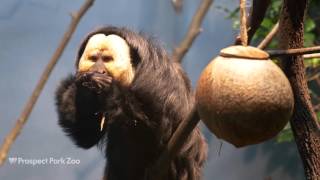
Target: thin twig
194,30
267,40
313,77
10,138
220,148
243,23
310,56
294,52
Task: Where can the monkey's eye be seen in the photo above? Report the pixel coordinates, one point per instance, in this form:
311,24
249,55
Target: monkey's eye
93,58
106,58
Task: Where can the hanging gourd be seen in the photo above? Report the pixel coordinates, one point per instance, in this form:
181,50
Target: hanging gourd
243,97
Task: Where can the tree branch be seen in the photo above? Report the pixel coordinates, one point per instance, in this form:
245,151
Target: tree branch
310,56
243,23
267,40
194,30
313,76
304,119
10,138
294,52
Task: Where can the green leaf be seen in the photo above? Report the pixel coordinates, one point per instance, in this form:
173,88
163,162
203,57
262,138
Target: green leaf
285,136
318,115
315,62
267,23
273,44
276,5
234,14
312,63
309,39
310,25
274,10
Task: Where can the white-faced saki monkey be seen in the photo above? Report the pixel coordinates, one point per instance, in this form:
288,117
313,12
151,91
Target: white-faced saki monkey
128,96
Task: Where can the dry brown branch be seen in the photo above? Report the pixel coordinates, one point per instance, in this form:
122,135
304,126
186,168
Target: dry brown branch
10,138
194,30
310,56
243,23
267,40
259,9
313,77
294,52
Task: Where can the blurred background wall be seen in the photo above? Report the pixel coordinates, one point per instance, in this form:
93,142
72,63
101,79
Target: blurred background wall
29,33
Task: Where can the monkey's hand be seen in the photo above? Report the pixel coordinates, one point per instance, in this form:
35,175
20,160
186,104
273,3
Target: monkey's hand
96,82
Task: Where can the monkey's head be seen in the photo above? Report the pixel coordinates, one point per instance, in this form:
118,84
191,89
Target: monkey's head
133,60
108,54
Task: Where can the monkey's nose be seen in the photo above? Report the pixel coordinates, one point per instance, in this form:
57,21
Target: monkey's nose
102,71
99,67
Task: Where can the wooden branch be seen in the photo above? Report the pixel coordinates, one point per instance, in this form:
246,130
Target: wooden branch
259,9
310,56
193,32
313,76
313,73
294,52
267,40
10,138
243,23
304,123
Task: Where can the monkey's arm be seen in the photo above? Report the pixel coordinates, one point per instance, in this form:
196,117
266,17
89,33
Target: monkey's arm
79,112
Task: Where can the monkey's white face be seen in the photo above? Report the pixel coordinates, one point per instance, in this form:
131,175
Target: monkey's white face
115,53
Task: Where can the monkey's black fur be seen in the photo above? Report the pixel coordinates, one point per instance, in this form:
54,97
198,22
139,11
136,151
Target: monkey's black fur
140,118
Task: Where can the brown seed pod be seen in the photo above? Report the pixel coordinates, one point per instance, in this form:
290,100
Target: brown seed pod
243,97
